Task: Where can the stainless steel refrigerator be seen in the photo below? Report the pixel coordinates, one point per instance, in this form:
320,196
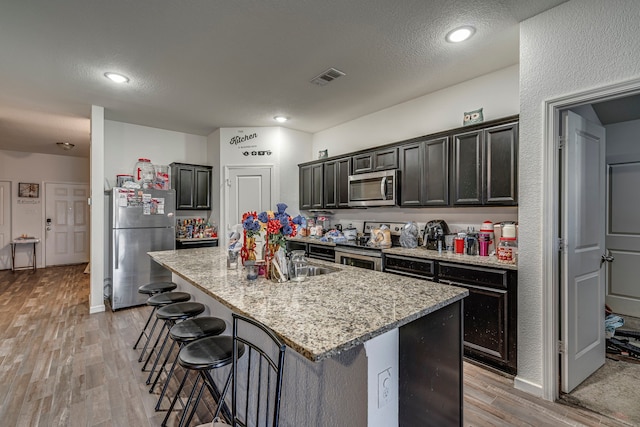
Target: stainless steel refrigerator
142,220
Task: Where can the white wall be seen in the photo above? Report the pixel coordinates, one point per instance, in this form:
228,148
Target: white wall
287,148
27,214
496,93
577,46
126,143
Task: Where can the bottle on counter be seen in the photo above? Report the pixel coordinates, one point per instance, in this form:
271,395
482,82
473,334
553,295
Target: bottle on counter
508,250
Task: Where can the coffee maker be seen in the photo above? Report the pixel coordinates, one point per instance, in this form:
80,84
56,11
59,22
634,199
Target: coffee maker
434,232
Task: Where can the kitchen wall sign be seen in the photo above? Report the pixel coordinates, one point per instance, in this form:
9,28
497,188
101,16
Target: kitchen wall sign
28,190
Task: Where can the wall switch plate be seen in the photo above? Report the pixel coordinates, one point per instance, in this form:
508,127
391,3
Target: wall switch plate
384,387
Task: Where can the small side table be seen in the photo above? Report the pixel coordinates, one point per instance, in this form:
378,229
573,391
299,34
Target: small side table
23,241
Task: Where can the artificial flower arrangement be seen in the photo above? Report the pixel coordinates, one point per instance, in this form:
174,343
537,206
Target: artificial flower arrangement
278,225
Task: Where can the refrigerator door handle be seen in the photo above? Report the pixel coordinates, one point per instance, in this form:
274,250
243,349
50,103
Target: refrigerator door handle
116,247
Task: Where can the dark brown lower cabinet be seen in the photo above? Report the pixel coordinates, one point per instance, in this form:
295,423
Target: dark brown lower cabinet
490,310
490,313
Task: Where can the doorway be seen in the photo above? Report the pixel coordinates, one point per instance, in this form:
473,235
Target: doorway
596,104
66,223
5,225
247,188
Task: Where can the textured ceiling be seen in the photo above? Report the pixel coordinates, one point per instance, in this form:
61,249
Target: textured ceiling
199,65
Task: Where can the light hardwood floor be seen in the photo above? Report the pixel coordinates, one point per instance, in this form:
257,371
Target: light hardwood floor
60,366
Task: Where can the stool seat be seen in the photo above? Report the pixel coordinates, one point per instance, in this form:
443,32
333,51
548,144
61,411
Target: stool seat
168,298
198,327
156,288
180,310
208,353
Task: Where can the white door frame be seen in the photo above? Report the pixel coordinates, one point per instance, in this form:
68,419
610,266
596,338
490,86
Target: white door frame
275,190
551,208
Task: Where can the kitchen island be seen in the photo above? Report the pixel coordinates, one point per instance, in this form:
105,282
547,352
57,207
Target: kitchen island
370,348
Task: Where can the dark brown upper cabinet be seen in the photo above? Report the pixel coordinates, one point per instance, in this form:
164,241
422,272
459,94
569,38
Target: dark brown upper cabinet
485,166
424,173
312,186
336,183
378,160
193,186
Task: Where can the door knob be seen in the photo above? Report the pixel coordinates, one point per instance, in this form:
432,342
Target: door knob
606,258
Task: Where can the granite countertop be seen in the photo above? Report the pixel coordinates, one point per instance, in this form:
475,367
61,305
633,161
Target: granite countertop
421,252
322,316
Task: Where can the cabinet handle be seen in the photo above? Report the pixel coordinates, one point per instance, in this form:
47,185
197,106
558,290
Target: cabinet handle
383,188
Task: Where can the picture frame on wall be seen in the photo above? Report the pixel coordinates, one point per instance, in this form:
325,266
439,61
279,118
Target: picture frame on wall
27,189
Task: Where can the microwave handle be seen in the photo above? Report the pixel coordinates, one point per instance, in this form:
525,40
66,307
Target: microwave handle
383,188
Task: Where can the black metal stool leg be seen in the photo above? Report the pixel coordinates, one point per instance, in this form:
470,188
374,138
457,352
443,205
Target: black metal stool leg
166,383
166,359
145,328
159,355
189,400
146,344
175,398
222,405
155,345
195,406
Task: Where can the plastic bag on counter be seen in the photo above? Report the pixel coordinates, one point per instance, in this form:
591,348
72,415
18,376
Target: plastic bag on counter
409,235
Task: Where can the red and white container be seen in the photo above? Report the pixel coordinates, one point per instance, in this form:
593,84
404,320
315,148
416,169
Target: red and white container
487,228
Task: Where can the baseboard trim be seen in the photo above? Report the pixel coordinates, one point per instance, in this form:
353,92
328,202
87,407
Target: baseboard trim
527,386
97,309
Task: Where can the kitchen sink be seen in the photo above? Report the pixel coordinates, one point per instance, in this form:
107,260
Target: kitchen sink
317,270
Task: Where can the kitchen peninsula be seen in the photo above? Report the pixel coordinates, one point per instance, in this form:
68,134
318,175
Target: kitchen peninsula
370,348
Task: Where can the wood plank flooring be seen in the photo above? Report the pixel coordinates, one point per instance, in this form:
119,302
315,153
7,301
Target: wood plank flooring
60,366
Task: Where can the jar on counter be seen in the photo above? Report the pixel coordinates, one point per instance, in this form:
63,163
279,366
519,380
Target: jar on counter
508,250
144,173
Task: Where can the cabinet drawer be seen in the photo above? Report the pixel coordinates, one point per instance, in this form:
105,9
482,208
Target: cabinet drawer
408,266
480,276
326,253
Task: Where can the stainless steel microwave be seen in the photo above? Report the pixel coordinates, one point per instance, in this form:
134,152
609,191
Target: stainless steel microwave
373,189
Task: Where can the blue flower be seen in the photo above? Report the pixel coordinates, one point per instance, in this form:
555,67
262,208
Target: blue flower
263,217
282,207
298,220
286,229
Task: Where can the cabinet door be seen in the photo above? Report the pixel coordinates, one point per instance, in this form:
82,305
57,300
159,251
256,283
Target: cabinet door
202,190
386,159
501,154
363,163
306,187
317,193
411,174
330,180
436,179
342,182
185,182
467,168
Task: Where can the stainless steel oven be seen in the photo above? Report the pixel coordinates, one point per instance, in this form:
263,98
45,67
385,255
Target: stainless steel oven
363,258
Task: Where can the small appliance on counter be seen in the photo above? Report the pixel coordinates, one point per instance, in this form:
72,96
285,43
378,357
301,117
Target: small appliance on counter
434,232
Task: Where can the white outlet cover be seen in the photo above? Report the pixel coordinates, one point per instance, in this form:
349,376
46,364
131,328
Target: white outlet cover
384,387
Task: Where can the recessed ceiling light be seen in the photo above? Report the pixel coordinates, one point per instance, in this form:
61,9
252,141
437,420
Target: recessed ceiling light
65,145
460,34
280,119
118,78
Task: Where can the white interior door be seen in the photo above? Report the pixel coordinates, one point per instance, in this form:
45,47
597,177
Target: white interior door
248,189
623,237
5,225
66,224
583,232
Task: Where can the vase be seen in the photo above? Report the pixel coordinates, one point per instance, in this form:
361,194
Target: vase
271,271
248,252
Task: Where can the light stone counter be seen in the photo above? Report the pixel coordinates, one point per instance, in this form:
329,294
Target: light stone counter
421,252
322,316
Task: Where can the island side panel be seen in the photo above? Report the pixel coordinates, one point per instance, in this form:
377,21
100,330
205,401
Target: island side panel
430,386
328,393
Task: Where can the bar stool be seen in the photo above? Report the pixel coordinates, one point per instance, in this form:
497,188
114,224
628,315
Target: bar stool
171,314
182,334
157,301
152,289
202,356
257,382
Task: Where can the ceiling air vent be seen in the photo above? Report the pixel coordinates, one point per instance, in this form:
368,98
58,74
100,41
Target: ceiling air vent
327,77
